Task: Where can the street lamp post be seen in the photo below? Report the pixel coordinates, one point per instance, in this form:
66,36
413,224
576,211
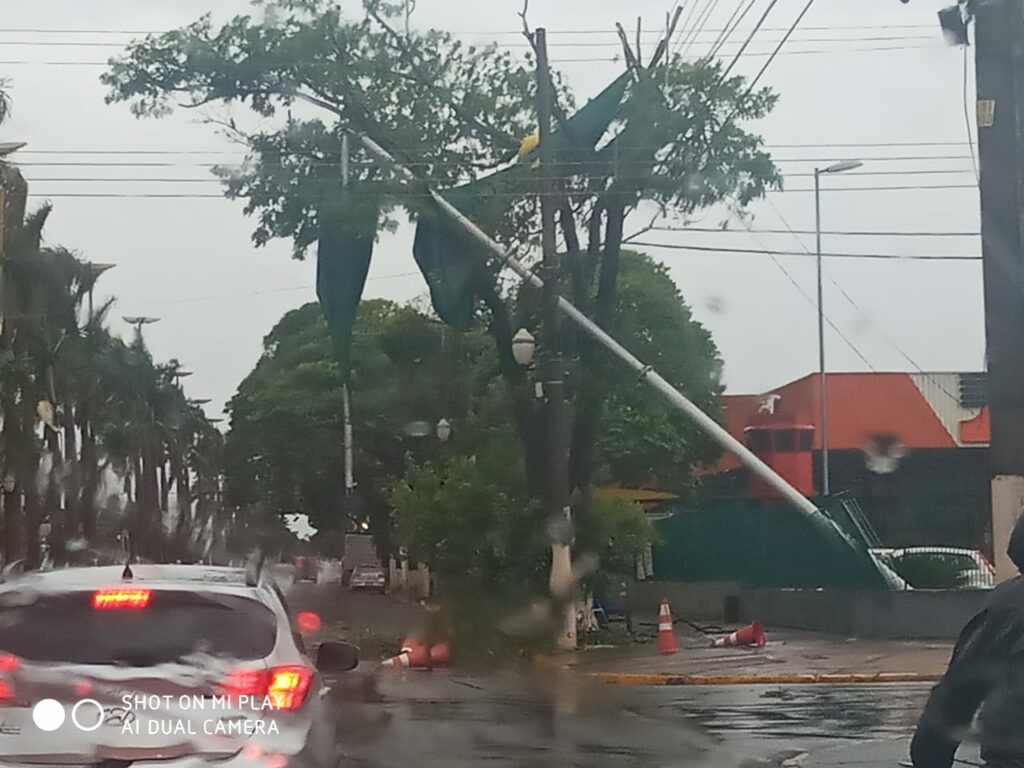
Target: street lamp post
846,165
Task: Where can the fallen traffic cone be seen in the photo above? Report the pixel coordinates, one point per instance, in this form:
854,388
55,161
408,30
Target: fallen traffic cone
666,635
416,658
409,644
440,655
748,636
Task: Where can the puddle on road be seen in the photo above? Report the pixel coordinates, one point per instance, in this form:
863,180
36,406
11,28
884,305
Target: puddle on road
850,712
447,719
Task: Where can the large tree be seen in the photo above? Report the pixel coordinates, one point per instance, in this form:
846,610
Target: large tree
450,112
78,403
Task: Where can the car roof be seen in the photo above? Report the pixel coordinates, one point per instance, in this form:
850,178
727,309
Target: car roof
208,578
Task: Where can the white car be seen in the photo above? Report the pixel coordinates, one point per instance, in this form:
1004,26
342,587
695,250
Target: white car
182,664
934,567
370,578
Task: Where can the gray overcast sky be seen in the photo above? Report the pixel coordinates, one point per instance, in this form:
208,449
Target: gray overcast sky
190,261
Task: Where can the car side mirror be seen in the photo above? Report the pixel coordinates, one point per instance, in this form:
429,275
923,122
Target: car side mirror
337,657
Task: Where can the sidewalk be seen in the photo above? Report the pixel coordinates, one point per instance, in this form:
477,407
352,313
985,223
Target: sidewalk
790,657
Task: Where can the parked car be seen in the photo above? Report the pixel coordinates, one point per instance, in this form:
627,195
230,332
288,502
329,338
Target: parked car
368,578
118,664
306,568
940,567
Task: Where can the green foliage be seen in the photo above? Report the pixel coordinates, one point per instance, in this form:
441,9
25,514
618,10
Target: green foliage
448,109
642,440
617,531
113,406
474,524
285,445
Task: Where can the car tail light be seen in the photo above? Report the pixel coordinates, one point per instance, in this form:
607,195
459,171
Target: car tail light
8,665
308,622
286,687
121,599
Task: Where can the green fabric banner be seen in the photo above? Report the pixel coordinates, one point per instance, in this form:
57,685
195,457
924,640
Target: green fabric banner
451,261
342,263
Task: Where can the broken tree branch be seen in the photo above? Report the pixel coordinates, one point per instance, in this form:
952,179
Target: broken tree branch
627,50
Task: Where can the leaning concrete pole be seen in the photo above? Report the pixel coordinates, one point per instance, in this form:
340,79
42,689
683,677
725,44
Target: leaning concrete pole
645,373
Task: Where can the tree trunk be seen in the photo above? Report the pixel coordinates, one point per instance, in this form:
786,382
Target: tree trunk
14,524
165,487
527,416
52,509
149,505
590,401
73,480
90,476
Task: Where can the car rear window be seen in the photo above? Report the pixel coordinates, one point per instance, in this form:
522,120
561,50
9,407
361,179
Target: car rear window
171,626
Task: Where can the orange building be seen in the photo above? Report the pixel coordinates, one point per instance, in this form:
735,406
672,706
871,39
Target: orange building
912,447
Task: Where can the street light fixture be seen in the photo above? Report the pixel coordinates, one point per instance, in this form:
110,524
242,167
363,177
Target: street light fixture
840,167
138,321
444,430
199,400
523,347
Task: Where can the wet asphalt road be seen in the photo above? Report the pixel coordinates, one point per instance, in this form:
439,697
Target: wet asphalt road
539,717
517,718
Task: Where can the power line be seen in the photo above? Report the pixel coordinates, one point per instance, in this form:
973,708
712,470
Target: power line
572,44
423,195
826,28
812,302
750,37
894,188
332,163
215,179
796,23
691,37
906,356
730,27
771,145
616,59
214,297
831,232
686,23
873,256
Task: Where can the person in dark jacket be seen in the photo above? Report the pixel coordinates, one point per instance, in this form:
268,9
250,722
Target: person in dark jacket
983,688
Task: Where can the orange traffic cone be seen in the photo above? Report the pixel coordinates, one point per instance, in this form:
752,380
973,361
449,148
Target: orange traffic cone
440,655
416,658
748,636
666,635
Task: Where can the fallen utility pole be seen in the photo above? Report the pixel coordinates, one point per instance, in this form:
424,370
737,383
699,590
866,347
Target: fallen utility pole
645,373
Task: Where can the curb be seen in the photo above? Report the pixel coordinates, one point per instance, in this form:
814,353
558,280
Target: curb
627,678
